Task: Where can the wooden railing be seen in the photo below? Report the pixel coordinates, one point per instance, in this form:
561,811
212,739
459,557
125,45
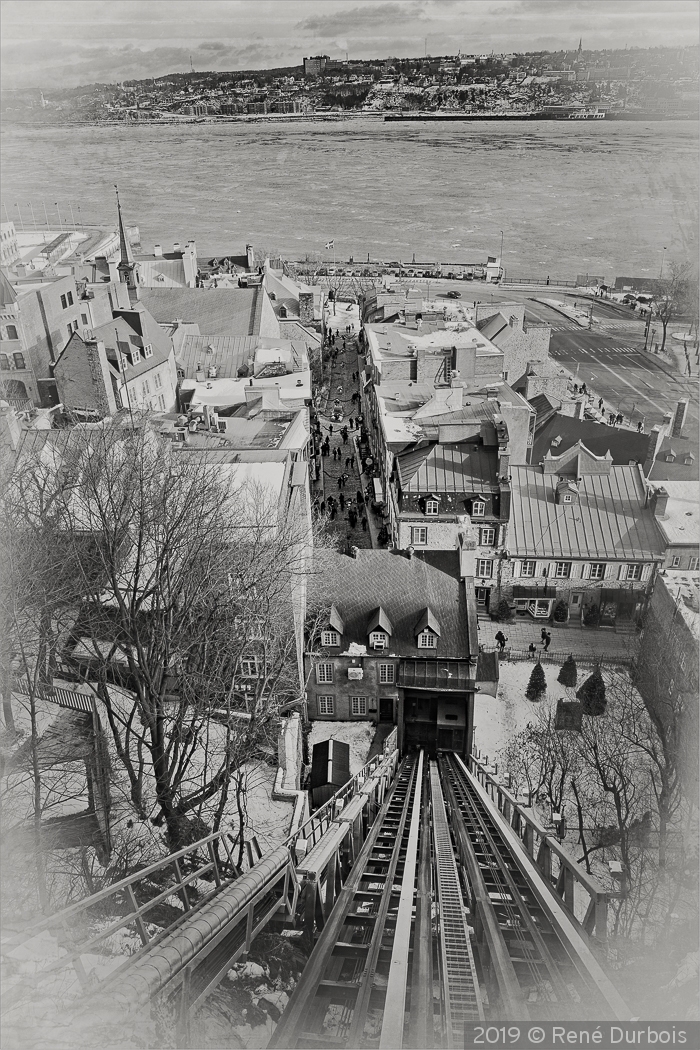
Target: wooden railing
559,870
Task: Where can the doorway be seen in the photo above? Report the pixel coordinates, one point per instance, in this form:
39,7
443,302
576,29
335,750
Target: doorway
482,598
386,709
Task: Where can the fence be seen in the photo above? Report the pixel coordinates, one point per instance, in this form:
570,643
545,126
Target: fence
558,657
556,282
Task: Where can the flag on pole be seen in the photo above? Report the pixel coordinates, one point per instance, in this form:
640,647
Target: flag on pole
330,244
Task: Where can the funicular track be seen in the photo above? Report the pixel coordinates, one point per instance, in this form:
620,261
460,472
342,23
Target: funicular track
536,962
353,989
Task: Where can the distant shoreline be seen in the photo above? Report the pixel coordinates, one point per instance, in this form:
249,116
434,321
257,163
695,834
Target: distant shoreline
382,115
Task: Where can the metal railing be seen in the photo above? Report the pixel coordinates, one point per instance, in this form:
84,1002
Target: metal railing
179,875
556,656
544,282
559,870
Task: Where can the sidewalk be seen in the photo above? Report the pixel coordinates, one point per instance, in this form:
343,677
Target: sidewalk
582,642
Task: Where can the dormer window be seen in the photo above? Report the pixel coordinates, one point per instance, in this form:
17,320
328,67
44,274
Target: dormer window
432,506
378,640
670,456
329,638
478,508
427,640
148,350
567,498
135,356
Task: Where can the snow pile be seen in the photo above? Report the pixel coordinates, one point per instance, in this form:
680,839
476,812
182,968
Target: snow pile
358,735
498,719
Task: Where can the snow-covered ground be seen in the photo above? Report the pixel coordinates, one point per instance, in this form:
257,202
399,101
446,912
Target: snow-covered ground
358,735
498,719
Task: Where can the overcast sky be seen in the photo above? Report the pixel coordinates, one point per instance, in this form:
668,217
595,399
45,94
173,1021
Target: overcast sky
46,43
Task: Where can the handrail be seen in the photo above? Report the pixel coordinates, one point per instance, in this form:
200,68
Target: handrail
526,825
317,823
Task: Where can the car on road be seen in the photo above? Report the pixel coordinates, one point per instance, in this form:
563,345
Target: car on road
454,294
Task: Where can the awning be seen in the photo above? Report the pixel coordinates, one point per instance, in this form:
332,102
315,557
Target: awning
534,591
437,675
378,494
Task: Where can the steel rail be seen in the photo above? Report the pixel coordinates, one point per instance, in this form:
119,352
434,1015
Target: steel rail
337,989
568,959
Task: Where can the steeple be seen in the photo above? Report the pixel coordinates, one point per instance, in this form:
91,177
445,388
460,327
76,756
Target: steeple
580,45
126,266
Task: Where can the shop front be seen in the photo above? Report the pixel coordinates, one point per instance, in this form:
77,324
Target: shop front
534,600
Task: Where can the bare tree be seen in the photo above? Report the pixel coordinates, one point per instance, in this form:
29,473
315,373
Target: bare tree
677,296
187,630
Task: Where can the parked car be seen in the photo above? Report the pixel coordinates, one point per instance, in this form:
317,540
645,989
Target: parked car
454,294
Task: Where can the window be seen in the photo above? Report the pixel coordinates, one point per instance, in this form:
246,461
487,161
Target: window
147,350
72,326
567,497
11,332
528,568
358,705
562,570
632,572
432,506
249,667
4,363
64,302
675,561
84,320
386,674
378,640
69,297
693,564
330,638
135,356
484,568
161,403
478,508
324,673
19,360
256,630
325,705
427,640
145,389
419,535
158,381
487,537
597,570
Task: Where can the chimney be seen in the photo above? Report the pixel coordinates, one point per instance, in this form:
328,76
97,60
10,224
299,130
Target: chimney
666,423
176,246
503,462
659,501
679,417
158,251
579,407
250,259
409,552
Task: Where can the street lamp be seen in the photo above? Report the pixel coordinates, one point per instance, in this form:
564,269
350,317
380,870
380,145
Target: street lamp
500,257
661,271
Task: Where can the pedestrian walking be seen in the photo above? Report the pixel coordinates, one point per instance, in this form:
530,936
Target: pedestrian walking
360,497
611,419
600,404
330,429
619,418
332,513
532,649
322,508
584,390
640,427
547,640
543,634
364,524
345,437
351,423
342,501
348,461
340,482
501,639
576,388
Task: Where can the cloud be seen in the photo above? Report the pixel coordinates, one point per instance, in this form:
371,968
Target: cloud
359,19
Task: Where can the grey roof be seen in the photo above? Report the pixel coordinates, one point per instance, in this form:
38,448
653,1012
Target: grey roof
7,292
491,326
610,519
404,587
335,620
217,311
625,446
448,468
427,619
677,470
379,619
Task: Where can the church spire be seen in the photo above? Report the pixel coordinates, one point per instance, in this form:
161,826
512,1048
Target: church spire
126,267
580,45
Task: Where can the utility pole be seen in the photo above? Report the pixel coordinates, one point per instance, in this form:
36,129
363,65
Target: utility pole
59,216
20,216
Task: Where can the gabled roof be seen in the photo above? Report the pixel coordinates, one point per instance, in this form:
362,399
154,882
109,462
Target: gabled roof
491,326
404,587
335,620
609,521
427,621
576,462
379,619
625,446
456,468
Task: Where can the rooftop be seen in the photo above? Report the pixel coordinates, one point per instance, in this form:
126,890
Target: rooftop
403,588
396,341
681,522
218,311
458,468
610,519
562,432
676,468
684,589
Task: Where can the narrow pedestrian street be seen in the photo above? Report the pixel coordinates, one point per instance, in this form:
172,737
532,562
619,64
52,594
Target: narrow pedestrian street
340,494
